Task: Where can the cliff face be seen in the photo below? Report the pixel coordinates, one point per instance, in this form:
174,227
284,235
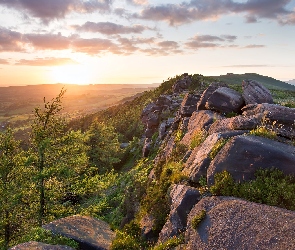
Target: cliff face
217,130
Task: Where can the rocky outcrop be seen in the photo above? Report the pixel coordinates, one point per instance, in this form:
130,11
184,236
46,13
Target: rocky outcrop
225,100
39,246
243,155
90,233
232,223
255,92
146,224
183,198
207,93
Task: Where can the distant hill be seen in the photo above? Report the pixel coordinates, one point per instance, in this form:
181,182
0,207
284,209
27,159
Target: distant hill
291,82
267,81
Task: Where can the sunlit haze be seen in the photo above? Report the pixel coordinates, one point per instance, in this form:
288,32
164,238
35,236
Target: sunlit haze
143,41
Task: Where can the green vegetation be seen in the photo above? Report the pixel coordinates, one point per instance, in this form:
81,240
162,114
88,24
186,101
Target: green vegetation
198,218
271,187
170,244
217,147
268,82
198,138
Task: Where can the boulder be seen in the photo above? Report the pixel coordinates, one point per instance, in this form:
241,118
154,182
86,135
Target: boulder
189,104
183,198
39,246
153,120
90,233
199,120
225,100
164,101
197,164
279,118
162,130
150,108
244,154
254,92
207,93
146,147
232,223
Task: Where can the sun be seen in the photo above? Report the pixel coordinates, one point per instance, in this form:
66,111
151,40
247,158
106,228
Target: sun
71,74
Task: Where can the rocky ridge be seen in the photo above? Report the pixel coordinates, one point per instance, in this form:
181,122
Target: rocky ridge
223,115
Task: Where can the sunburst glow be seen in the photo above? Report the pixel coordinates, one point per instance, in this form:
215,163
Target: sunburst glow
71,74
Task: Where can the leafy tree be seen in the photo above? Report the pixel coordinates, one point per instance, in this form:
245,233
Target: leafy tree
59,157
11,186
104,147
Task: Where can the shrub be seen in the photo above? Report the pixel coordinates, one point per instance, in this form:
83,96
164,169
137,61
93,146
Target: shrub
198,138
198,218
271,187
170,244
41,235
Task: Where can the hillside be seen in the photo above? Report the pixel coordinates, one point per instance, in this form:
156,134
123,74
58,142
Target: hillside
200,166
268,82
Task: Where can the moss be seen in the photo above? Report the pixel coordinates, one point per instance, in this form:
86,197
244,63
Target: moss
198,218
263,131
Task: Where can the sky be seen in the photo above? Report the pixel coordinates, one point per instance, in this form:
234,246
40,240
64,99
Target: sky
143,41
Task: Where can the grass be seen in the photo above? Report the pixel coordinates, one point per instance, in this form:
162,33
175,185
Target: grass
198,137
197,219
217,147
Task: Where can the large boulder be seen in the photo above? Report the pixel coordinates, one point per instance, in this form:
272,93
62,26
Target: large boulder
207,93
279,118
225,100
183,198
232,223
90,233
39,246
199,120
254,92
244,154
197,164
189,104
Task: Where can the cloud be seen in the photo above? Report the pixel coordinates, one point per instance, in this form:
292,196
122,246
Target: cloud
3,61
10,40
109,28
137,2
48,10
208,41
168,45
46,61
288,20
48,41
254,46
94,46
248,66
197,10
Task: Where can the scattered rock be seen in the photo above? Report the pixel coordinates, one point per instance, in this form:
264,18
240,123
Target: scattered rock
183,198
225,100
232,223
90,233
243,155
146,147
39,246
255,92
